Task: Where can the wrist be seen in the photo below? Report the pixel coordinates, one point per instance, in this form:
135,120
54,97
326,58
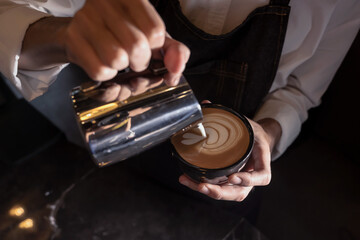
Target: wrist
43,45
272,129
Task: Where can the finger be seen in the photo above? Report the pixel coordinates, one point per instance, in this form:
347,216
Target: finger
80,52
227,192
261,173
136,46
106,46
126,32
218,192
172,79
186,181
260,163
146,18
249,167
205,101
176,55
254,178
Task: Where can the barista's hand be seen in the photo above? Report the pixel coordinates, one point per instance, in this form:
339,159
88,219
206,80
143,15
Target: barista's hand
175,56
110,35
103,37
257,171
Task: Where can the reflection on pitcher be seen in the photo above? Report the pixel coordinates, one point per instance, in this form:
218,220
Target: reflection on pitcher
133,112
122,90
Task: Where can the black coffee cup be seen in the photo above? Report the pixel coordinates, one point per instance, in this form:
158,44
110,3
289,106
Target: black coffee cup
203,161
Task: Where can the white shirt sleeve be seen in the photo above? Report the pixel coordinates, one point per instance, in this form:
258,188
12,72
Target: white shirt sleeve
306,71
14,21
15,18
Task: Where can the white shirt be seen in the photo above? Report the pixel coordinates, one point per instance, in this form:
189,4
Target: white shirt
319,34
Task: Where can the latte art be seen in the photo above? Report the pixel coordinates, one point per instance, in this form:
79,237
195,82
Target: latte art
221,132
226,142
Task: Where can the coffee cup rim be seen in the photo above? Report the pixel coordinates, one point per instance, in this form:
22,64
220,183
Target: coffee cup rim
248,152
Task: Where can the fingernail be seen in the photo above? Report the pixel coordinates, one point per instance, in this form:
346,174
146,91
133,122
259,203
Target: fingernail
204,190
235,180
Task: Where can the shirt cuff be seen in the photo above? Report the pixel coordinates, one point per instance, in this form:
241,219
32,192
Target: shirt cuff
13,24
36,83
287,117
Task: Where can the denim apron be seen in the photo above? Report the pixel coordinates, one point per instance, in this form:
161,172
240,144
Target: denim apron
235,69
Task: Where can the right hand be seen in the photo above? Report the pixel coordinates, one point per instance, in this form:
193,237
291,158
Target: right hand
257,171
106,36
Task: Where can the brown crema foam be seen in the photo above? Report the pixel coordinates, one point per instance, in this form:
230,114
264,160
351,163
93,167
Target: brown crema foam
226,142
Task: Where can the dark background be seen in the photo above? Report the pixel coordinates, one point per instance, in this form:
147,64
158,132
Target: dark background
314,192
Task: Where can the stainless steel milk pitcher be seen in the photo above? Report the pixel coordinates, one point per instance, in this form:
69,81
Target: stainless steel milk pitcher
132,112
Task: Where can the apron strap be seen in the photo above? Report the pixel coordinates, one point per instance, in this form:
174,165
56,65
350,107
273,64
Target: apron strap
280,2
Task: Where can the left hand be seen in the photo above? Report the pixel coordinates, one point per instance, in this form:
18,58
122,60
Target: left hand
257,172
